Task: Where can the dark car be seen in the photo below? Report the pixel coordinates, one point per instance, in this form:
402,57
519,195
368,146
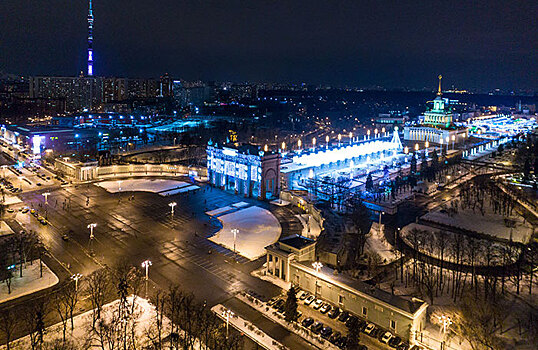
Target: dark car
316,327
352,320
342,343
278,303
325,308
304,296
307,322
334,312
343,316
395,341
335,337
326,332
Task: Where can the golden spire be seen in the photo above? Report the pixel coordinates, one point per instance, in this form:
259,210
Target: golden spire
439,93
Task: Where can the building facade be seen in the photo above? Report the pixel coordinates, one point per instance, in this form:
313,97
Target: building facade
244,169
291,259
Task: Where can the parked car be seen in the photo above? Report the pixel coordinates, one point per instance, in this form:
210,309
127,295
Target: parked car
342,343
277,304
307,322
326,332
65,237
317,304
10,210
309,300
385,338
369,329
304,295
334,312
343,316
405,346
395,341
325,308
316,327
352,320
335,337
300,294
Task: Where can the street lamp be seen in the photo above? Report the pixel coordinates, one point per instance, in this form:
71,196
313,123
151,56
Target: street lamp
380,213
317,266
91,227
445,323
368,133
146,264
375,133
119,185
339,139
327,141
235,232
313,143
299,143
172,205
227,314
46,195
416,146
350,137
75,278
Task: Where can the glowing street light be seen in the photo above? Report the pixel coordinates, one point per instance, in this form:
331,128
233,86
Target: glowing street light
227,314
234,232
91,227
375,133
444,323
146,264
265,148
427,144
368,133
339,139
75,278
299,144
317,266
313,143
383,131
453,140
327,141
119,185
350,137
283,146
172,205
406,150
416,146
46,195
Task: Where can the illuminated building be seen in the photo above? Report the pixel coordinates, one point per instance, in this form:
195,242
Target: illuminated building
244,169
438,124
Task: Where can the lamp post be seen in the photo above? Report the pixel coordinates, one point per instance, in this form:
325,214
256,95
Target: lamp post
46,195
299,143
91,227
368,134
383,131
146,264
235,232
283,146
75,278
453,140
327,141
375,133
172,205
447,141
313,144
119,185
416,147
227,314
317,266
350,137
339,139
380,213
444,324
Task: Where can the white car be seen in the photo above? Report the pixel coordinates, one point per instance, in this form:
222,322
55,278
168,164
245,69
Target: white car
309,300
317,304
386,337
369,328
300,294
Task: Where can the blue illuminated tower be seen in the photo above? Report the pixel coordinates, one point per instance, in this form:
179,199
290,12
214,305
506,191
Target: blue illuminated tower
90,39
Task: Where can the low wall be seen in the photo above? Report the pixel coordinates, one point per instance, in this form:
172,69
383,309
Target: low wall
149,170
304,204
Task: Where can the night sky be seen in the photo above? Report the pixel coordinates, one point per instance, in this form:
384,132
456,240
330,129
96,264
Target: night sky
474,44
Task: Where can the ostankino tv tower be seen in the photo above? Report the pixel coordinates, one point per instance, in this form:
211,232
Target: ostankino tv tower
90,39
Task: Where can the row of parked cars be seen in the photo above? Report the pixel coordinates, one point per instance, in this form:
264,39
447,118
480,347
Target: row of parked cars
334,312
9,186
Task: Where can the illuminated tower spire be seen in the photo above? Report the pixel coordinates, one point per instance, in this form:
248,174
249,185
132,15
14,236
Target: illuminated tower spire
439,93
90,39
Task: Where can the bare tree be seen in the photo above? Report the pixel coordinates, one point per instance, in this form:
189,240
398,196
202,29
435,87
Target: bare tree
33,321
9,323
98,286
62,308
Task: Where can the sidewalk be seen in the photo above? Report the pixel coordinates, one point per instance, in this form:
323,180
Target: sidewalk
248,328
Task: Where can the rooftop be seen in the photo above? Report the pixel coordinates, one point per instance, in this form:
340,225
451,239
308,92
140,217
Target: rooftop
296,241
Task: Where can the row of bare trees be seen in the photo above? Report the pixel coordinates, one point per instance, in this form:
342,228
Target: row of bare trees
16,251
178,320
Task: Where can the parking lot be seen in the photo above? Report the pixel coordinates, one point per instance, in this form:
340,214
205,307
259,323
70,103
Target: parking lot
332,324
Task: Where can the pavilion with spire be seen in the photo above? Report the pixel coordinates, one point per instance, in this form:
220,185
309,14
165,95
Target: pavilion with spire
437,125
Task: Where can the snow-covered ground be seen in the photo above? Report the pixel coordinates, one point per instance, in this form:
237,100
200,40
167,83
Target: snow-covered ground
144,316
489,223
221,210
257,227
260,273
145,185
29,283
279,202
179,190
11,199
376,242
5,229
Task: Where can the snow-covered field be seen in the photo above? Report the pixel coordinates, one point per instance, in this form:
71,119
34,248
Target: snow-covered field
257,227
10,199
145,185
376,242
29,283
5,229
489,223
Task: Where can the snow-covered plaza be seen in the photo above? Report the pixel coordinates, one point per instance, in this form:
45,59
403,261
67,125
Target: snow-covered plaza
164,187
256,229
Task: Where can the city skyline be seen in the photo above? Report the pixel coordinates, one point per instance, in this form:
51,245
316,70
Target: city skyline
342,44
